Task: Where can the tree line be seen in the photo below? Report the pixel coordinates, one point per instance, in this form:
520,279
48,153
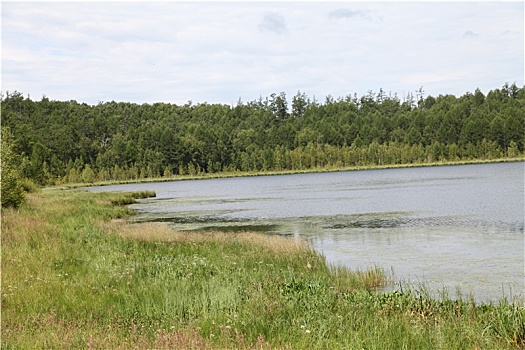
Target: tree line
66,141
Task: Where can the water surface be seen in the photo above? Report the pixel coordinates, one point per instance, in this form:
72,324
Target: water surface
445,227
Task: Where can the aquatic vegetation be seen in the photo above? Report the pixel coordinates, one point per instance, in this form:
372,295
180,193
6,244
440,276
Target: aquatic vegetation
74,277
130,197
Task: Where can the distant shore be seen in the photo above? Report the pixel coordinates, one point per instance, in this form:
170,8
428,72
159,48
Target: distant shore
220,175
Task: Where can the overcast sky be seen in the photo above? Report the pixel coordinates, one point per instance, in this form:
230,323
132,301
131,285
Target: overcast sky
218,52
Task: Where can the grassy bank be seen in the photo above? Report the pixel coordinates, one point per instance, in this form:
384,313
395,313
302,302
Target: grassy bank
74,276
291,172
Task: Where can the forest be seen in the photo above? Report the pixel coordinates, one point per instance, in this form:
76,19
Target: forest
53,142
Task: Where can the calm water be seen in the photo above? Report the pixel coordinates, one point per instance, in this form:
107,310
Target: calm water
444,227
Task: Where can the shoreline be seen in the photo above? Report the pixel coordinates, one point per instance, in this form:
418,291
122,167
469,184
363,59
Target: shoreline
76,276
225,175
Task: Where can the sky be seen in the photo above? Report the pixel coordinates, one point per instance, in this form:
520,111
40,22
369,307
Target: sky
223,52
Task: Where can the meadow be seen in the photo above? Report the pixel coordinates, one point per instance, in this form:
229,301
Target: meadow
77,275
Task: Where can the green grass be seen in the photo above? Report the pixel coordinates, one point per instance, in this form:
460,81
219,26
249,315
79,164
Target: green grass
73,276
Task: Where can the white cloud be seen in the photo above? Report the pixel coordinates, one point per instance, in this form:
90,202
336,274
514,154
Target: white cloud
346,13
470,34
273,22
218,52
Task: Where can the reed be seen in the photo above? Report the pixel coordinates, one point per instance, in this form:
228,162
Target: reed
74,276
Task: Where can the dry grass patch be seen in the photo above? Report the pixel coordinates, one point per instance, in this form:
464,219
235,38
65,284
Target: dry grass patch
160,232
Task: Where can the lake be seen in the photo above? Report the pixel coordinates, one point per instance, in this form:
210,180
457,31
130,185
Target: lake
446,228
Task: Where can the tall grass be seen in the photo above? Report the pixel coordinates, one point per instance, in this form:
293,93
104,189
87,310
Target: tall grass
75,277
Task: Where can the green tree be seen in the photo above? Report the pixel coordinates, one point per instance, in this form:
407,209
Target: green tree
12,193
88,175
279,105
413,136
299,104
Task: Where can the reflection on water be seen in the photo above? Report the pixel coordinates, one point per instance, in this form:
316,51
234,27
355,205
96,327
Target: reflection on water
448,227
